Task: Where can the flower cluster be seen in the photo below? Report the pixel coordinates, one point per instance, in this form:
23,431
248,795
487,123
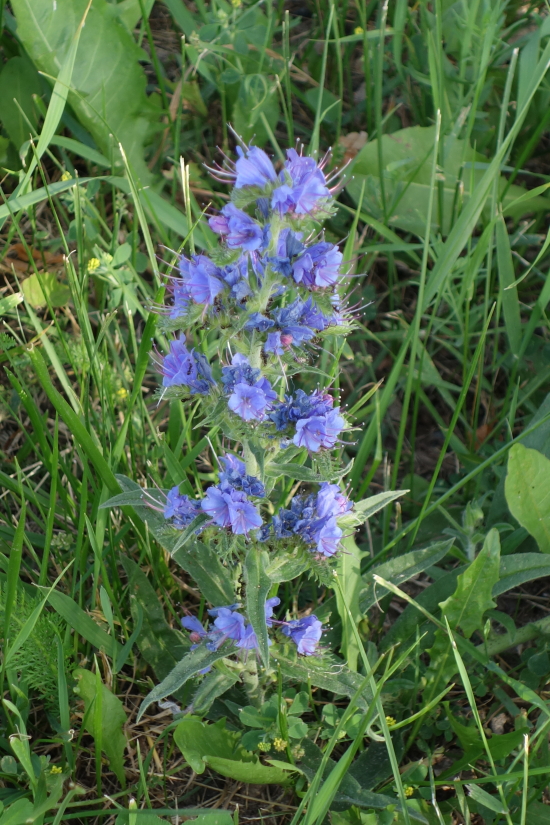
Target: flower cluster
226,503
190,369
313,518
230,625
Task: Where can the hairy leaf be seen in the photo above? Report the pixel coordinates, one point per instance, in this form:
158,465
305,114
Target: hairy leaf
473,596
258,584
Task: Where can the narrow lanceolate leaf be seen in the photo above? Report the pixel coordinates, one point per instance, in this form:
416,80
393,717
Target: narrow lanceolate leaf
300,473
401,569
520,568
473,596
527,491
362,510
328,674
192,664
258,584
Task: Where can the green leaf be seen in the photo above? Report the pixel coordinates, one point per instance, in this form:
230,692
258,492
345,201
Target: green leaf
108,84
214,746
10,302
508,291
19,81
299,473
363,510
408,157
401,569
83,624
527,490
20,811
213,685
37,290
190,665
519,568
485,799
284,567
472,597
113,718
347,598
329,673
258,585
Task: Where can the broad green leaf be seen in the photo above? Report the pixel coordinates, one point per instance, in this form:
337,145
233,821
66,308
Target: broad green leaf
407,157
519,568
36,290
367,507
160,645
108,84
213,685
283,566
113,718
212,745
190,665
19,81
401,569
258,585
466,608
527,490
19,811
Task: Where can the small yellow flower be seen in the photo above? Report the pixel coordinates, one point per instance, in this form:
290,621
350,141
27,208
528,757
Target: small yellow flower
358,30
409,791
236,4
390,720
66,176
56,769
279,744
93,264
264,746
122,393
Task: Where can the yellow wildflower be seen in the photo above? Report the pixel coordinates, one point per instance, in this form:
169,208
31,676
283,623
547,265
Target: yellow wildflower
56,769
390,720
264,746
93,264
122,393
409,791
236,4
66,176
279,744
358,30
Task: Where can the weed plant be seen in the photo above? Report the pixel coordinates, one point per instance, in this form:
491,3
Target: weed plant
432,705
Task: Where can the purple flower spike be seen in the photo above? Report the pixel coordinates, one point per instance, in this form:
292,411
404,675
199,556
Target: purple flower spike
180,508
243,232
189,369
305,633
250,403
304,186
328,538
331,501
202,279
318,267
254,168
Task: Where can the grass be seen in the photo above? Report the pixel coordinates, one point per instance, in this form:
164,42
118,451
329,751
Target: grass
453,328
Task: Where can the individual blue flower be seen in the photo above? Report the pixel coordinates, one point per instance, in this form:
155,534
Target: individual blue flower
318,267
231,508
305,633
328,538
181,367
289,246
250,403
319,431
274,344
331,501
180,508
230,623
304,186
240,230
258,322
239,372
269,605
201,279
299,406
196,630
253,168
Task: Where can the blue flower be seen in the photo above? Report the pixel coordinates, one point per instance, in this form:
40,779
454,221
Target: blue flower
328,538
299,406
201,280
331,501
305,633
240,372
304,186
289,245
231,508
180,508
269,605
318,267
319,431
241,231
235,275
230,623
274,344
189,369
250,403
258,322
253,168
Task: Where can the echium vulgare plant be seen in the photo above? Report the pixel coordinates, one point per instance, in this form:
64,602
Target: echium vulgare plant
259,309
